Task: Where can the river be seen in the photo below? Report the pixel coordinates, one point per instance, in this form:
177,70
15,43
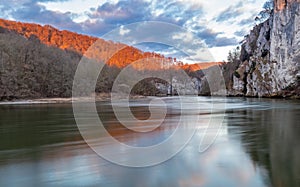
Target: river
257,146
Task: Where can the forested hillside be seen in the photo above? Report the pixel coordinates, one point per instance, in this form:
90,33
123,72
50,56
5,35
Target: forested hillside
79,43
40,61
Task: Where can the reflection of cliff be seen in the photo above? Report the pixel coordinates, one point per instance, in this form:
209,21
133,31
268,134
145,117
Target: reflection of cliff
272,137
254,135
285,149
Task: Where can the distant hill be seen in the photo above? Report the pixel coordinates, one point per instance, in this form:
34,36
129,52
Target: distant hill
52,36
201,66
40,61
79,43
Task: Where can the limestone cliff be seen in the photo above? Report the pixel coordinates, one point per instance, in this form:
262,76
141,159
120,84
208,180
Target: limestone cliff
270,56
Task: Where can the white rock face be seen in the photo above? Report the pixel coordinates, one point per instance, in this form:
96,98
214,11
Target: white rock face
285,45
271,56
238,86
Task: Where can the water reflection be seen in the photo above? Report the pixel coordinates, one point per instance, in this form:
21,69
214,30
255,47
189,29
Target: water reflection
270,135
258,146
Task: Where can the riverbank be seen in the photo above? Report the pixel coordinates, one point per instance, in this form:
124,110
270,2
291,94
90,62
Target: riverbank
107,97
98,97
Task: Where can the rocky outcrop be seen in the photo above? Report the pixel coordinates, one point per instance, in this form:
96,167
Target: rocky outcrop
270,56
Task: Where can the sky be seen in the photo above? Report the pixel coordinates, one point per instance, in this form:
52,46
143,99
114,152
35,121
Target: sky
218,26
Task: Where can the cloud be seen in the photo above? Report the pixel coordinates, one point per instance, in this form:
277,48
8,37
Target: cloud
186,37
123,12
213,22
31,11
124,31
247,21
224,41
111,15
230,13
96,27
176,12
240,33
213,38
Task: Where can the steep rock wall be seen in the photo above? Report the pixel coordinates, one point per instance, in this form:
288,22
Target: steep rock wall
271,56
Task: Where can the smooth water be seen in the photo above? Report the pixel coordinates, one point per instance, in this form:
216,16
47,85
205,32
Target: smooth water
258,145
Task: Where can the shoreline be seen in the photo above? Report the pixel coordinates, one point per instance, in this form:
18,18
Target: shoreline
60,100
105,98
43,101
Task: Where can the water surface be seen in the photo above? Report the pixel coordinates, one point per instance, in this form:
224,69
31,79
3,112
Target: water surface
258,146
